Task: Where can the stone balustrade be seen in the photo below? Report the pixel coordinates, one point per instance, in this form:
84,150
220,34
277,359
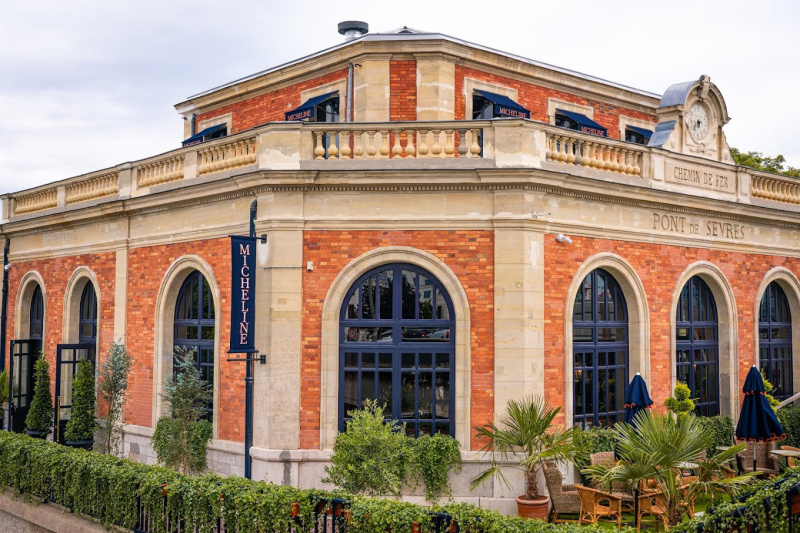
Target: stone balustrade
395,140
594,152
776,188
92,188
160,171
36,201
227,156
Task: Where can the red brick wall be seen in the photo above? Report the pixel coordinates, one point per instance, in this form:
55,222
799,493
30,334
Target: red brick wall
470,254
56,273
534,98
659,267
271,107
403,90
146,269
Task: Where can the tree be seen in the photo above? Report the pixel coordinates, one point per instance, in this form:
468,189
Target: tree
114,374
180,439
759,161
40,414
82,423
680,403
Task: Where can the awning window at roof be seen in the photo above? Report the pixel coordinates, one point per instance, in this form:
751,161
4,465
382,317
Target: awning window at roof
641,131
504,106
309,108
583,123
220,130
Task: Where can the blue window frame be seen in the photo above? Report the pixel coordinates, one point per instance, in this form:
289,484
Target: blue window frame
87,324
775,340
194,327
600,351
37,314
397,346
697,345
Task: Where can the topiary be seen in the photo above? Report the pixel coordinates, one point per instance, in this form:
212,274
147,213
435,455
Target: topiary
82,423
680,402
113,383
40,414
768,388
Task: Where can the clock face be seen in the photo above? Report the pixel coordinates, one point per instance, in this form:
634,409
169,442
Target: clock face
698,121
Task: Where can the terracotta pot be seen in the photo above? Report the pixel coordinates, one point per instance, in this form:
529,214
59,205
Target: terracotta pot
537,509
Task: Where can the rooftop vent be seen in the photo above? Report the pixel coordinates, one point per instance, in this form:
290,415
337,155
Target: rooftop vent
353,29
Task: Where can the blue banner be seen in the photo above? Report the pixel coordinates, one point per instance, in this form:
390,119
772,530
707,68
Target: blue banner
243,293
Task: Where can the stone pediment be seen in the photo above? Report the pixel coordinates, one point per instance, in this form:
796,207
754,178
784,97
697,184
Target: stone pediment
691,116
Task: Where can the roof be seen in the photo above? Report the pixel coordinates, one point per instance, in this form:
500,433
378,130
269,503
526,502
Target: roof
409,34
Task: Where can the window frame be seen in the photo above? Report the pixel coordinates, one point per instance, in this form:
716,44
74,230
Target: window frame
775,315
87,316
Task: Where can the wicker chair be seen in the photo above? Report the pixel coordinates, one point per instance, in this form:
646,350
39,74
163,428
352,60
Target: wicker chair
564,497
766,464
791,462
617,489
593,508
652,504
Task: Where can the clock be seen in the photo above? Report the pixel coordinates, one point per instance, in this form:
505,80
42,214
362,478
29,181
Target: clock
698,121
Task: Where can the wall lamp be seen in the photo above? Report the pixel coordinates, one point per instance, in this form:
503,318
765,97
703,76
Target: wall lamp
563,238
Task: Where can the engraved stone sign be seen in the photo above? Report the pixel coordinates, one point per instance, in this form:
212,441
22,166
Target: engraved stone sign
701,177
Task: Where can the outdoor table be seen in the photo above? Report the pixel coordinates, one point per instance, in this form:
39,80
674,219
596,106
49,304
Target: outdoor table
687,465
785,453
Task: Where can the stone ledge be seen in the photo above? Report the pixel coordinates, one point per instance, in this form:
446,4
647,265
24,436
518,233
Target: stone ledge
46,517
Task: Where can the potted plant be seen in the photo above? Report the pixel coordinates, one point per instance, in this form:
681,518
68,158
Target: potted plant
82,423
40,414
524,440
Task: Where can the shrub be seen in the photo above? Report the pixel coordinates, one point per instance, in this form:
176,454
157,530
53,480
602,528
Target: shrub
40,414
180,439
789,418
721,427
3,386
113,383
592,440
680,402
82,423
432,459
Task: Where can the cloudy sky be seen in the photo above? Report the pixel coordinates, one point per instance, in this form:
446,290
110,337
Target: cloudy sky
89,84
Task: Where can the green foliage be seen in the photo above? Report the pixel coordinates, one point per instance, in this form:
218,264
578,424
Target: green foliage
82,423
768,388
759,161
113,383
721,428
680,402
40,414
110,489
374,457
180,439
524,440
658,447
3,386
789,418
432,459
593,440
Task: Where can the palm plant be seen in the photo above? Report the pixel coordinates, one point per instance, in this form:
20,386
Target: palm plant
524,440
656,448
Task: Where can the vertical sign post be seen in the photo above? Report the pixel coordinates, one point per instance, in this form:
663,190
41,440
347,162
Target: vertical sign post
243,314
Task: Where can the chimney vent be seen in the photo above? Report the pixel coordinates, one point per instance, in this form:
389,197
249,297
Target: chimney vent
353,29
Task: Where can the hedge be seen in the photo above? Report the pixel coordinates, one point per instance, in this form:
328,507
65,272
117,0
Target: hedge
115,491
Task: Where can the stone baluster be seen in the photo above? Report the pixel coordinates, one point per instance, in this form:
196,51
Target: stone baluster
409,149
358,145
615,160
371,148
449,145
344,145
397,149
562,149
333,150
319,149
586,158
463,148
570,147
475,147
436,149
637,170
423,143
384,150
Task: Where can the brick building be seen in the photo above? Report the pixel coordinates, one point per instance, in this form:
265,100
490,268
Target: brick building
448,227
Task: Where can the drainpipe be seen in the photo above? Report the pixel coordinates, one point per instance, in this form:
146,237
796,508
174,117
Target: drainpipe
349,93
4,306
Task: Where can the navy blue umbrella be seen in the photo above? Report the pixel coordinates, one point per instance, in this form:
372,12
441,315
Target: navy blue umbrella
757,421
636,398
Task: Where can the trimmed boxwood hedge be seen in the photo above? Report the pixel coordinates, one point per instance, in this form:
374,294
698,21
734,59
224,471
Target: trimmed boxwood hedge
111,489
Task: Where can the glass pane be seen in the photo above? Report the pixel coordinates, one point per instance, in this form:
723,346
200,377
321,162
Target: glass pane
581,334
385,360
763,333
385,392
442,395
443,428
425,392
587,299
425,298
426,360
601,292
352,306
350,391
442,360
86,330
611,335
208,333
424,335
368,298
408,395
353,334
368,360
409,294
442,311
409,360
425,429
367,387
351,360
385,280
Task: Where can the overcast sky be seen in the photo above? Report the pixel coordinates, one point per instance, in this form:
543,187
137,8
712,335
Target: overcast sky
89,84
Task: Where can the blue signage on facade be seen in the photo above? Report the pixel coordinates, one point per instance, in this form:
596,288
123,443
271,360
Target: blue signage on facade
506,111
243,291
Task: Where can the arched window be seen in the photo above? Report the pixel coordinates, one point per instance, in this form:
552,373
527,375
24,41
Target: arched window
697,345
397,346
775,340
599,351
37,314
87,327
194,326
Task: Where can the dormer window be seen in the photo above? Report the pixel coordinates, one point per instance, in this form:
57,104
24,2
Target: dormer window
486,105
214,132
637,135
323,108
579,122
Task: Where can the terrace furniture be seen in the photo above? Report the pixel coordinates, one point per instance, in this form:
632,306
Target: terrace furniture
791,458
617,489
596,504
564,497
652,504
766,464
